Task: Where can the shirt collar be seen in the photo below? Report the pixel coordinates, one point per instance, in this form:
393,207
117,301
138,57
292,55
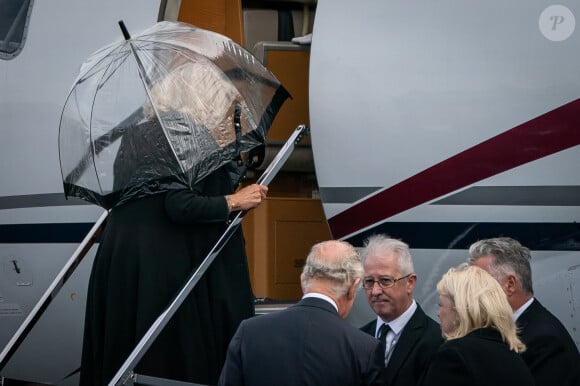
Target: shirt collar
321,296
524,307
400,322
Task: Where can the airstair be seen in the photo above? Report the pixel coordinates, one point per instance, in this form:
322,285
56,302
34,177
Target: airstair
126,375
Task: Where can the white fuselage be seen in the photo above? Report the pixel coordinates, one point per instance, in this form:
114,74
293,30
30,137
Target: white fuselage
441,123
39,229
435,122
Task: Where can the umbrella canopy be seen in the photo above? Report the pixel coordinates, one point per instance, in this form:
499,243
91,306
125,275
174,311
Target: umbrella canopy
162,109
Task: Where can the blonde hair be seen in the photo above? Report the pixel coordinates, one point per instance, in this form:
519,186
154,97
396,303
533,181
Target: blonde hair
480,302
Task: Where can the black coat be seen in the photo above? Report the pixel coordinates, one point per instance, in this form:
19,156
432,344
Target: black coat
480,358
149,248
306,344
419,340
551,353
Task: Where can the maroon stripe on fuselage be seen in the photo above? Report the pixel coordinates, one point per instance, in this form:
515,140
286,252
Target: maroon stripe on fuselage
547,134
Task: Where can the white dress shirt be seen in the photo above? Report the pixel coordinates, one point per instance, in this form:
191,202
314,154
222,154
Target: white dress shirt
397,325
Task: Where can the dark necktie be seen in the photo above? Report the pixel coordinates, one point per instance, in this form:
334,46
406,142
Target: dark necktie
383,331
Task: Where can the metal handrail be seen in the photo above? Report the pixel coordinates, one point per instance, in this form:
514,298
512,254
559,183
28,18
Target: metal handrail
125,375
52,290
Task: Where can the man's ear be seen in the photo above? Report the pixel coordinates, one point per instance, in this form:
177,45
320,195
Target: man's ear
351,293
511,284
411,281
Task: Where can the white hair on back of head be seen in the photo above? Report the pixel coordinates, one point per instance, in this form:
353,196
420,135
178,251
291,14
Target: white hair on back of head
381,244
341,270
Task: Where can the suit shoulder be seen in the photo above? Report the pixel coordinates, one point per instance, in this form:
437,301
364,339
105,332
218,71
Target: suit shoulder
369,328
258,321
538,320
363,342
362,335
431,325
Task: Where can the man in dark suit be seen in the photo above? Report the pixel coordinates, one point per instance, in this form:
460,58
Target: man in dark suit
551,354
412,337
309,343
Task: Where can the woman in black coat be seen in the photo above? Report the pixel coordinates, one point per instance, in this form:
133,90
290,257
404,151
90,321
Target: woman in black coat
156,236
149,248
482,346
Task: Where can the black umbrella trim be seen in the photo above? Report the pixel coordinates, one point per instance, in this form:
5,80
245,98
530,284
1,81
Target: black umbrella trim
271,111
108,201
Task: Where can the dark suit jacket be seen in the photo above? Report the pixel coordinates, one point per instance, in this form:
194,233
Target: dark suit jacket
551,353
480,358
419,340
306,344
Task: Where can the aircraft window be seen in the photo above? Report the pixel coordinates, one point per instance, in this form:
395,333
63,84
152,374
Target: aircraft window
13,26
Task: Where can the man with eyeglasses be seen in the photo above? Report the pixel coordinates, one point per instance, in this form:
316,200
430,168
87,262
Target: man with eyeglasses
411,337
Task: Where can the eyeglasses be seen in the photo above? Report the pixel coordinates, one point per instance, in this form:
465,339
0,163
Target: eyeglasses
384,282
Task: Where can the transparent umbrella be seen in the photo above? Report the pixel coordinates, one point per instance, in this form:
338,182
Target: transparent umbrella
163,108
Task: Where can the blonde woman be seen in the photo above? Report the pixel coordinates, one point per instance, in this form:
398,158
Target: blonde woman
482,346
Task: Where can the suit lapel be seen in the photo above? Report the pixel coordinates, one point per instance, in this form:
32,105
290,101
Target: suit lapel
370,328
409,337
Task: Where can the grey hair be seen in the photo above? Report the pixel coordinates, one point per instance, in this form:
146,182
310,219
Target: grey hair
383,244
342,272
509,258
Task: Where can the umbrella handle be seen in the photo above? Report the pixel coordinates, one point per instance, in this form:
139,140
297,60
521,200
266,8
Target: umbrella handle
238,128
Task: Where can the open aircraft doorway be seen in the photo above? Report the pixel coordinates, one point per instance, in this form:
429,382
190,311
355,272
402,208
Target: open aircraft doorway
418,115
